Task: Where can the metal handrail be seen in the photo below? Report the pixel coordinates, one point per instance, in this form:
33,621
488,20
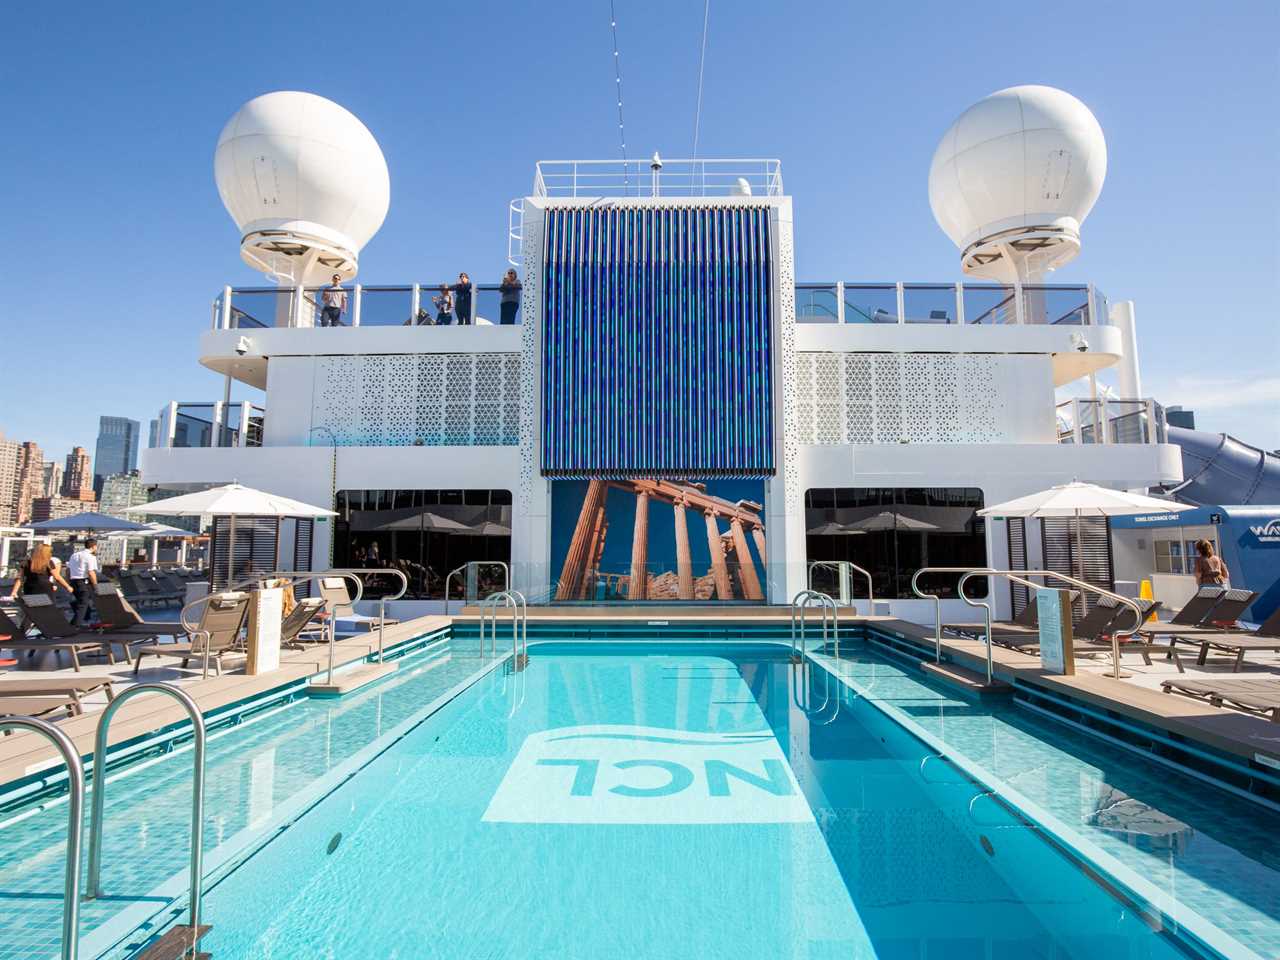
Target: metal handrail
937,603
805,665
515,601
1138,616
382,600
506,576
197,789
871,590
75,824
799,604
307,576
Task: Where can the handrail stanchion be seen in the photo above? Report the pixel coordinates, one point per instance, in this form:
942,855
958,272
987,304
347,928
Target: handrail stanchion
985,606
836,564
506,576
75,824
197,800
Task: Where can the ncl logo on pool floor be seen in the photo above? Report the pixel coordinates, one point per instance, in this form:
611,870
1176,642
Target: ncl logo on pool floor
629,774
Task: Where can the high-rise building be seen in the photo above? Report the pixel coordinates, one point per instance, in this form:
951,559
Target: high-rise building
30,479
121,491
52,479
153,433
10,467
117,448
55,508
77,480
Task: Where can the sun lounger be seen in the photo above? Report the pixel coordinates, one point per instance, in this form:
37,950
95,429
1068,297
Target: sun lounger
37,706
1220,618
1266,637
217,636
118,614
1260,697
1029,617
337,602
1122,619
58,635
1198,607
56,687
293,630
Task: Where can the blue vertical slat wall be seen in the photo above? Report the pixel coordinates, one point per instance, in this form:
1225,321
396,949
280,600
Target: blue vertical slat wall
656,343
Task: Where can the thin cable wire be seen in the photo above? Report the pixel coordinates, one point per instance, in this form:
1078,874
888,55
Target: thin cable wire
617,76
702,62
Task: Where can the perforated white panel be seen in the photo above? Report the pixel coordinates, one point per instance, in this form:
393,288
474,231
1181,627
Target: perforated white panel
462,399
897,398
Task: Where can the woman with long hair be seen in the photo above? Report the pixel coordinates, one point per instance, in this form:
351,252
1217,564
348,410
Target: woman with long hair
39,574
1211,571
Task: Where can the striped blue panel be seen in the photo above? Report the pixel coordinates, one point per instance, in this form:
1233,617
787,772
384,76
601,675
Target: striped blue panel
656,343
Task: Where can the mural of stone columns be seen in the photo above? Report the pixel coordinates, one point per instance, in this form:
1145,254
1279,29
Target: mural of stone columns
684,559
719,569
758,533
582,546
746,566
640,549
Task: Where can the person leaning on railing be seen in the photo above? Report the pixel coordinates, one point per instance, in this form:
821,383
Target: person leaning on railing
334,300
510,288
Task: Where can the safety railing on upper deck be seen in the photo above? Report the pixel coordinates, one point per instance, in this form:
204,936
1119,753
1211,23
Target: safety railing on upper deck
210,424
965,304
367,305
1111,420
667,178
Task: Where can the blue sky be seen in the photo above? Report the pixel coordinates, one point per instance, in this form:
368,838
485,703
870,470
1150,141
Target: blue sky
114,240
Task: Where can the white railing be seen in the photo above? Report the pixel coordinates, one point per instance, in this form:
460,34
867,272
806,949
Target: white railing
211,424
670,178
402,305
1111,420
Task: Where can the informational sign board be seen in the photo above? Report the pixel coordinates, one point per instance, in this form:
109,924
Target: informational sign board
265,613
1056,648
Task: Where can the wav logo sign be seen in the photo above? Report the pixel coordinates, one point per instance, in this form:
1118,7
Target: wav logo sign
1268,533
630,774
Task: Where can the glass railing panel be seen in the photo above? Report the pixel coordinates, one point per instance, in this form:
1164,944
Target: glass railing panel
870,303
989,303
392,307
1101,307
1127,421
1056,306
193,425
229,433
929,303
257,307
817,303
255,426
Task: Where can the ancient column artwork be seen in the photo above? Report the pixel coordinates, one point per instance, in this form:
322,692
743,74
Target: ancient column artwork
662,561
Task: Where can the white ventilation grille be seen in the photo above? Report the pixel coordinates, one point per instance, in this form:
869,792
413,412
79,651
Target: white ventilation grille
431,399
899,398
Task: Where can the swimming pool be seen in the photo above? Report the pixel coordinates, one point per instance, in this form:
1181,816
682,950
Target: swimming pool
681,801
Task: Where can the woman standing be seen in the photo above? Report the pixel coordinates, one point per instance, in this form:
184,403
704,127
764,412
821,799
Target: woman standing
510,288
1210,570
40,574
444,305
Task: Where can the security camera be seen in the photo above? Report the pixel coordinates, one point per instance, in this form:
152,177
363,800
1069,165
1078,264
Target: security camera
242,346
1080,343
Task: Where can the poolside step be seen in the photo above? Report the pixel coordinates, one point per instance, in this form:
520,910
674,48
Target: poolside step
968,680
176,943
351,680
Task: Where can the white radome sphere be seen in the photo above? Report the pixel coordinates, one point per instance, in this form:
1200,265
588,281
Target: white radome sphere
295,163
1028,158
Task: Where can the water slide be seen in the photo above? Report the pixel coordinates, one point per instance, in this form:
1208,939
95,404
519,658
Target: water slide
1217,468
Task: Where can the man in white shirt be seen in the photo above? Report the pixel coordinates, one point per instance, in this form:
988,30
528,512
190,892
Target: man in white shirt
334,303
82,571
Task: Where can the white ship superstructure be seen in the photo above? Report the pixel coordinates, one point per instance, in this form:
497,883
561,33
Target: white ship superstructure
662,335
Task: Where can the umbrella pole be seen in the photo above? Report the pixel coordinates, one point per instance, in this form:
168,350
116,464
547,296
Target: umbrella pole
231,549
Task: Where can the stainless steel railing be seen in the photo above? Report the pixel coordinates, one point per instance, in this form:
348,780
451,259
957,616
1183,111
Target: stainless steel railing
837,565
801,674
382,600
506,576
937,603
197,793
515,601
799,604
1138,615
75,824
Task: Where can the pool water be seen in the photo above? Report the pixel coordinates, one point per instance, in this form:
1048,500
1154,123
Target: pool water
644,803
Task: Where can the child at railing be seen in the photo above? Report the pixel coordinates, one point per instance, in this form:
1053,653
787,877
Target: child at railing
444,305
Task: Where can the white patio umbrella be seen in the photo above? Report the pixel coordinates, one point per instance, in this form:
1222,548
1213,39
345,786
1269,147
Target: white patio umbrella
1079,500
232,500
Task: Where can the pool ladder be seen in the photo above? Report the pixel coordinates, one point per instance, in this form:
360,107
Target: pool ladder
180,941
515,601
800,603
